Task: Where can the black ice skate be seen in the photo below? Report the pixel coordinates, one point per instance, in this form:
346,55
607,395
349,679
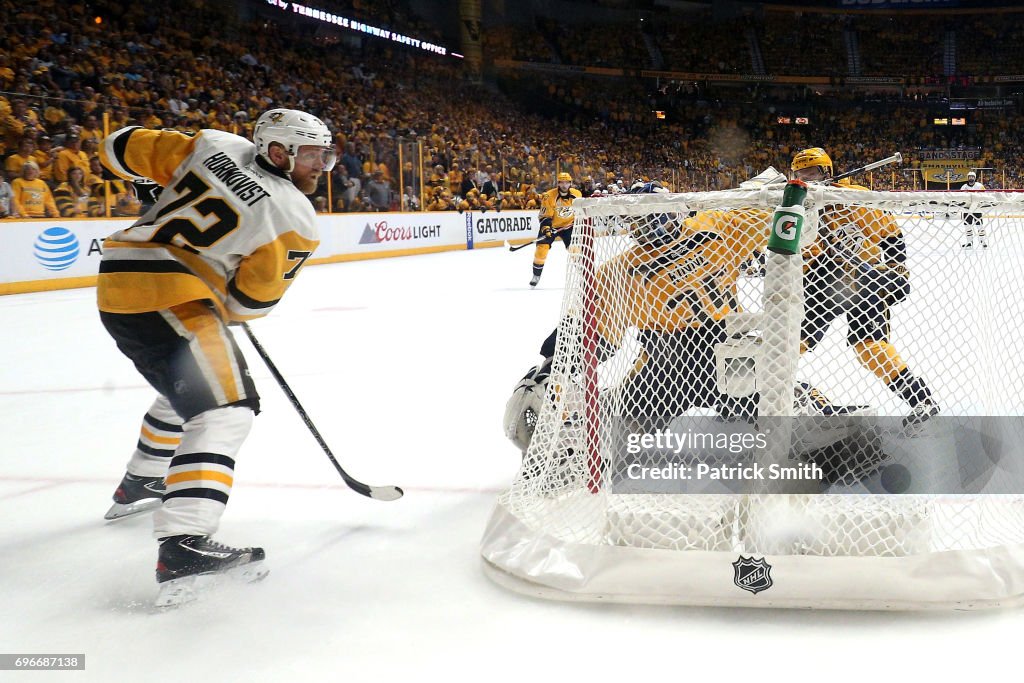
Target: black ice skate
534,280
135,495
186,564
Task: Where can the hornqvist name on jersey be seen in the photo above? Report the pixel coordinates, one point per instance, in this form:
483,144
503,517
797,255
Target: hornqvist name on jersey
236,180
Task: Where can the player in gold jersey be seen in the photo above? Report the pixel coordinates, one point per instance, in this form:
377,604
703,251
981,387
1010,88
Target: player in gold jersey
556,219
673,289
227,236
857,266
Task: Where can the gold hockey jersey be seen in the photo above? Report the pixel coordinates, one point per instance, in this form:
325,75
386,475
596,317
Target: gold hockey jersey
848,235
558,209
684,283
228,227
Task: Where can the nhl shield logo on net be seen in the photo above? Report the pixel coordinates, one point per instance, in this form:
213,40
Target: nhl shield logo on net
752,575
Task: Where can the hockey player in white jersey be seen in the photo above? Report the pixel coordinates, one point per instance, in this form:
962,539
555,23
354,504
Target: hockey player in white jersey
228,235
972,220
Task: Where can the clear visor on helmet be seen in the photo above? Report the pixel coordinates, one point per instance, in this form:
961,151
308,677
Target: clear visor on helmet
311,156
811,174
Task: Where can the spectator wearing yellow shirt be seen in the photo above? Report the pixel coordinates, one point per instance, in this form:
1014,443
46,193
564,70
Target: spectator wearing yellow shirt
222,122
32,198
91,129
116,88
72,197
71,155
438,178
45,156
6,73
112,196
150,120
19,122
26,152
137,95
54,114
442,201
90,148
95,174
455,179
118,118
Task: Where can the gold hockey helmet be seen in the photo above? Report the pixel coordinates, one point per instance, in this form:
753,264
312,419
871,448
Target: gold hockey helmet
815,156
563,176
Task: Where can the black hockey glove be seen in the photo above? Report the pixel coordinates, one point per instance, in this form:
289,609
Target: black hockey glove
891,282
547,230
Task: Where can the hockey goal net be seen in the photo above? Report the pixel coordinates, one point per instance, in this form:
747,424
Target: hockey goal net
729,426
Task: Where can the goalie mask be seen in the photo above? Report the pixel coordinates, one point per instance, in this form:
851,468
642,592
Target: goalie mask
293,129
654,229
813,165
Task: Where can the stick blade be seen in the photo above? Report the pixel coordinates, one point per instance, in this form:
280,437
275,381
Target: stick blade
385,493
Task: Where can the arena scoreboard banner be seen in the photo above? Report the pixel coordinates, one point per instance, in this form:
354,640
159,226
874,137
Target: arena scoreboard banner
56,253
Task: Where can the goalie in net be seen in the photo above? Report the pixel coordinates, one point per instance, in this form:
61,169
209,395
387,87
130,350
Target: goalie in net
661,308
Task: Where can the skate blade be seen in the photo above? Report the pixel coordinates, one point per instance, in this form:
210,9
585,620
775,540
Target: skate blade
914,425
119,510
188,588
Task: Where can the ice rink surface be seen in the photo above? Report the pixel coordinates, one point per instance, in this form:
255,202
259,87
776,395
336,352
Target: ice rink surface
405,366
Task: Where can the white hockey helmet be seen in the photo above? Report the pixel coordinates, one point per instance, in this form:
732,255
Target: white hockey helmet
293,129
972,175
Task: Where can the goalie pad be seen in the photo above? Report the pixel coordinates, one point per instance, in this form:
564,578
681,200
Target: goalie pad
523,407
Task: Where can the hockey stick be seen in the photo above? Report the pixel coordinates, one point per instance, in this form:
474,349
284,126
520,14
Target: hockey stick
376,492
896,158
523,246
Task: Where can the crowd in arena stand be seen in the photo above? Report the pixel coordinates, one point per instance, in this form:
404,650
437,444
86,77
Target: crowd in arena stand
404,140
885,43
989,46
721,46
518,42
790,43
610,45
803,44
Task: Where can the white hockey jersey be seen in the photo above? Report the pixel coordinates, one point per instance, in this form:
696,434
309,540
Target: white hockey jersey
976,187
228,227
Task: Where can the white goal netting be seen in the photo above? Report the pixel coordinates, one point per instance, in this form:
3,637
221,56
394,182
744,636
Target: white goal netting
726,425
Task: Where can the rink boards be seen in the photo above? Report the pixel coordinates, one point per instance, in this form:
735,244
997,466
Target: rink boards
63,253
